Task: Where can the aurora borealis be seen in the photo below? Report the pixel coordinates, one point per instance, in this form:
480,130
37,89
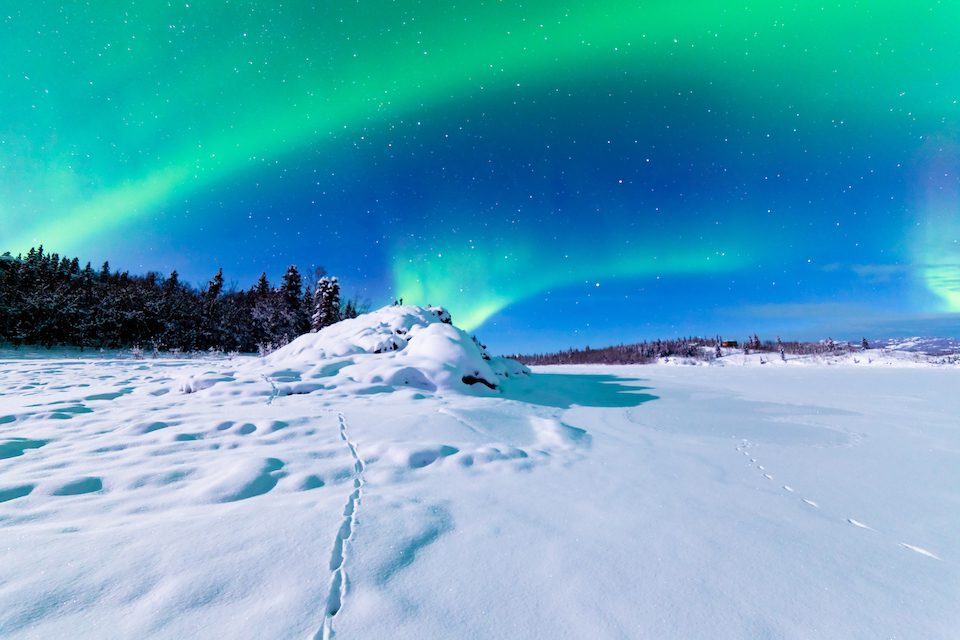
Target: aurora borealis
692,167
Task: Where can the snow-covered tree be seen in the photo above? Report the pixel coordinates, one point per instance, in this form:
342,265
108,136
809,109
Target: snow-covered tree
291,286
326,303
47,299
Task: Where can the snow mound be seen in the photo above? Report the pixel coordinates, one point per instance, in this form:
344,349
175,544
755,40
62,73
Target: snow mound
400,346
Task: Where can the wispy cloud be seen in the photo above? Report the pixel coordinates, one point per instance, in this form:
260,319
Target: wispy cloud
873,272
801,311
881,272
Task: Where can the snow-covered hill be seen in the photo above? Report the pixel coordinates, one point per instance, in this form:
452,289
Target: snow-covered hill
888,353
931,346
396,347
874,357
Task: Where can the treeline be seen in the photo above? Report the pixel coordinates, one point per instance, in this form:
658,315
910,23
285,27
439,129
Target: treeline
50,300
637,353
693,348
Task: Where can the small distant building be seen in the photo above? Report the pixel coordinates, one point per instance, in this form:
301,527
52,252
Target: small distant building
730,344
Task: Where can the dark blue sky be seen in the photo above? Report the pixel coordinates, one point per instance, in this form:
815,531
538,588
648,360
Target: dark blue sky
555,175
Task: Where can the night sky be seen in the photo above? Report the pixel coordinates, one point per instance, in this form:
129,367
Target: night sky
555,173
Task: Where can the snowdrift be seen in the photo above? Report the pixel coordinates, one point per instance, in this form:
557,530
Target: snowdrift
396,347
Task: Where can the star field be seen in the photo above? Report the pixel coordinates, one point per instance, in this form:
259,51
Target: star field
553,173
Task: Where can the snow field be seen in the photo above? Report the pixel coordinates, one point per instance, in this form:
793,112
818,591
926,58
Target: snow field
172,499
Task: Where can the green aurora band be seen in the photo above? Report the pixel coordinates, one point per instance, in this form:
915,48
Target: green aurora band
936,242
129,110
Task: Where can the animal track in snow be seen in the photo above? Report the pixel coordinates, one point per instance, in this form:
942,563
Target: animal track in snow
744,447
274,391
338,557
919,550
859,524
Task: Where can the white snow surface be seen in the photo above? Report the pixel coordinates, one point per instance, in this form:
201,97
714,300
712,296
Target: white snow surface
574,502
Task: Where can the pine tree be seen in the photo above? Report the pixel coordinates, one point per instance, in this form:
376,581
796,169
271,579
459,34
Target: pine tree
349,310
306,310
291,286
47,299
326,310
263,315
215,286
211,334
294,319
262,288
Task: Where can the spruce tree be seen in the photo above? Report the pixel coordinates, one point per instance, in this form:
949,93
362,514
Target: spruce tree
211,331
294,319
215,286
263,315
291,286
326,310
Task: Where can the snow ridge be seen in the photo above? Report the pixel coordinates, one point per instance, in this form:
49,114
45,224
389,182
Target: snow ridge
338,581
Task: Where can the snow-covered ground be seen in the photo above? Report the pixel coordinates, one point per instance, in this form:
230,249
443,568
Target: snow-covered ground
380,497
873,357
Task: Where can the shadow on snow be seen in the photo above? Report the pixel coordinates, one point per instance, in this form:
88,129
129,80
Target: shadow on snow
567,390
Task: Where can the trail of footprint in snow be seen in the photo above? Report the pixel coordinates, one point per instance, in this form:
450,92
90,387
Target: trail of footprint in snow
852,521
859,524
920,550
338,582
